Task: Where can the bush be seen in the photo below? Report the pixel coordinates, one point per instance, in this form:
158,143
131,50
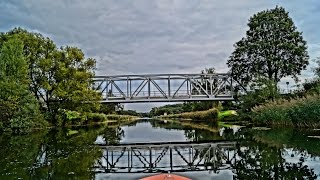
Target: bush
96,117
306,112
77,118
301,112
271,114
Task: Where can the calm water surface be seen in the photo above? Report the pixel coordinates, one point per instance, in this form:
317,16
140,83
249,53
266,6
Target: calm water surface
212,152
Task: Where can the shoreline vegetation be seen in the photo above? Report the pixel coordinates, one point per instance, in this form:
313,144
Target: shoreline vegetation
301,112
212,115
107,119
82,119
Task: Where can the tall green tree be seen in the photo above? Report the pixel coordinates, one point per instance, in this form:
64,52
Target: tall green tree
19,110
272,49
69,87
60,78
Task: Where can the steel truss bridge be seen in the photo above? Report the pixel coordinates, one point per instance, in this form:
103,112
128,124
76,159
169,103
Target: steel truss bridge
146,158
164,87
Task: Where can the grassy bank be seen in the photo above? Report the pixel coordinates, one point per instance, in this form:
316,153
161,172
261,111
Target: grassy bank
190,124
117,117
208,115
301,112
76,118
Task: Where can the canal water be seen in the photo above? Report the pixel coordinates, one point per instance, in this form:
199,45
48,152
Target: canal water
147,147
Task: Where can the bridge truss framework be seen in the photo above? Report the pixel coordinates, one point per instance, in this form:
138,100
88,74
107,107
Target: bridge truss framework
164,87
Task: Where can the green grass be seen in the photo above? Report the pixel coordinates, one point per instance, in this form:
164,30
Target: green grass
226,114
120,117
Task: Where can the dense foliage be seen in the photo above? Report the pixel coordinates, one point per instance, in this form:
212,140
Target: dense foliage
272,49
19,110
59,79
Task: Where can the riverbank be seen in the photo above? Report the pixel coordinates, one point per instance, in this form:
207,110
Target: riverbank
208,115
88,119
75,119
211,115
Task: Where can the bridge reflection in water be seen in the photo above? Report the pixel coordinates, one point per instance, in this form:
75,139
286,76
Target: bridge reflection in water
173,157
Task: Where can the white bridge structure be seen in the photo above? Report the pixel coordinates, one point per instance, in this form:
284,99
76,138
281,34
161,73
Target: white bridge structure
164,87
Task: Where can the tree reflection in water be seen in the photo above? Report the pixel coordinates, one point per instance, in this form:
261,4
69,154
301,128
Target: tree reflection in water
265,160
49,155
113,136
259,161
62,155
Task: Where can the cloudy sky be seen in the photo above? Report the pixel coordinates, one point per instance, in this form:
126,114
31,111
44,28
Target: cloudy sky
154,36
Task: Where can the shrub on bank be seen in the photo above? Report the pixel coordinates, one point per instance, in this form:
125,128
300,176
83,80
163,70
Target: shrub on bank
306,112
301,112
96,117
77,118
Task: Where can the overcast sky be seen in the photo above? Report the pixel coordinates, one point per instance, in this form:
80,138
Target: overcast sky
154,36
